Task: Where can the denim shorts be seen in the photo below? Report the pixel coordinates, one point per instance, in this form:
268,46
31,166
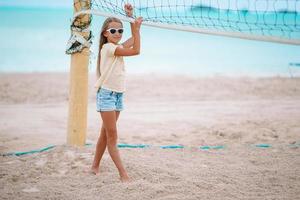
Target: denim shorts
108,100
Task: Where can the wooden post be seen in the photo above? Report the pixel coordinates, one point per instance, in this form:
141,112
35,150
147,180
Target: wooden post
78,92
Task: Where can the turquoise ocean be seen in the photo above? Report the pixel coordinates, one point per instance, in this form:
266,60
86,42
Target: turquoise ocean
33,39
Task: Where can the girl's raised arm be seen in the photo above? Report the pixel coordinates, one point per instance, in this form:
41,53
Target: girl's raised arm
128,43
135,50
129,12
134,40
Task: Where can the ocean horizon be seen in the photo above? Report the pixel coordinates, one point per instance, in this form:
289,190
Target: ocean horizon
33,39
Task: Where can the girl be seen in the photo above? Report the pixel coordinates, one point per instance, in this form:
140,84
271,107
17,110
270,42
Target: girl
111,84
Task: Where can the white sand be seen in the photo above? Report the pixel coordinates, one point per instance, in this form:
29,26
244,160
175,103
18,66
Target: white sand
159,110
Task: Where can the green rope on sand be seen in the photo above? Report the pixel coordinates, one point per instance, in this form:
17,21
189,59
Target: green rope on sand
140,146
263,145
20,153
28,152
172,147
295,145
212,147
133,145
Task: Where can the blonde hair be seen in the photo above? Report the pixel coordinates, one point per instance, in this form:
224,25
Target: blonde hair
103,39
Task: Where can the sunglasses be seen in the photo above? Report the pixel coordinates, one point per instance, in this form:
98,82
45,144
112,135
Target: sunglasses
113,30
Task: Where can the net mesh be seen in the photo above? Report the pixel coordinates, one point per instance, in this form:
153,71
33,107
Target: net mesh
274,18
268,20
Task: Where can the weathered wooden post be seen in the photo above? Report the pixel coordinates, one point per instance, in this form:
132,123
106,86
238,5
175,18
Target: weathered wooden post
78,92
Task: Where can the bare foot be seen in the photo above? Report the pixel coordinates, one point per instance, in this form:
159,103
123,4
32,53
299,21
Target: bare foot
125,178
95,170
92,170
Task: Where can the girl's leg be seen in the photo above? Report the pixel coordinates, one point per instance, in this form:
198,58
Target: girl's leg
100,147
109,122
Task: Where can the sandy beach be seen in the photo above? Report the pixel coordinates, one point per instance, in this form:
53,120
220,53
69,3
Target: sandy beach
235,113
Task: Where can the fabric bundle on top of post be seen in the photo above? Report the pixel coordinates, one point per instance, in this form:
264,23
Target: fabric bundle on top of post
77,42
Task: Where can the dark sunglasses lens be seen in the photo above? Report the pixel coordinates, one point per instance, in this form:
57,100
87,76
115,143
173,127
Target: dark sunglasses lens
121,31
112,31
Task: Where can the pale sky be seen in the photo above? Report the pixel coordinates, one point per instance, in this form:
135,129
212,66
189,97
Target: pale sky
264,5
37,3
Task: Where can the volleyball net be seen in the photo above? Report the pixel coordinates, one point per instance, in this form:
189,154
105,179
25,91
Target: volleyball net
264,20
